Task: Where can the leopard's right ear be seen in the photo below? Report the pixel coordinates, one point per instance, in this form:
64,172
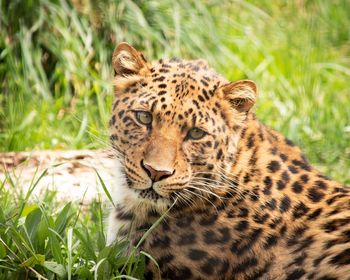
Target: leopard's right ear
240,94
128,61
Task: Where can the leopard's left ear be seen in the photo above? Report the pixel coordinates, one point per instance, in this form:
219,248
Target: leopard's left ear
128,61
241,94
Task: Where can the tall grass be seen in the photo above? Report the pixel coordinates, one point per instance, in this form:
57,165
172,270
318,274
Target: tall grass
55,67
41,239
56,93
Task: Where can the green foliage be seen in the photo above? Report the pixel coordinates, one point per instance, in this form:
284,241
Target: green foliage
39,239
56,93
55,66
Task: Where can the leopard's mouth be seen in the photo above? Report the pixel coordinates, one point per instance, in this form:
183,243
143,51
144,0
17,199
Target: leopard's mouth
150,194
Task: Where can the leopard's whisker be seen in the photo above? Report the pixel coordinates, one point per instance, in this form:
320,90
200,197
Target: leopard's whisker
206,191
229,183
185,198
201,196
229,188
208,186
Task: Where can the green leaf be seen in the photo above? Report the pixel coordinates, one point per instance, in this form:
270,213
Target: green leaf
55,247
105,188
34,260
139,266
125,277
41,235
56,268
32,221
96,271
63,218
28,209
87,243
2,251
69,251
2,216
30,191
84,273
101,240
104,253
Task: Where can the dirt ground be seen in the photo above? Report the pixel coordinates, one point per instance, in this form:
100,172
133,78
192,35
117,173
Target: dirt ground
71,173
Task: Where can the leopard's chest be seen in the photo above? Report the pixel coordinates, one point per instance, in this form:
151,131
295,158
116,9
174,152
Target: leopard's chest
203,246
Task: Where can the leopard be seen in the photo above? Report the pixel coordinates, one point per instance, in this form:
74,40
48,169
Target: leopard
219,194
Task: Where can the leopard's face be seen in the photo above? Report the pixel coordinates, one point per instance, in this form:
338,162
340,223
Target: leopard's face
175,126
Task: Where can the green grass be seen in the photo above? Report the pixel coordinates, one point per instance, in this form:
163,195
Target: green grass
43,239
56,93
55,66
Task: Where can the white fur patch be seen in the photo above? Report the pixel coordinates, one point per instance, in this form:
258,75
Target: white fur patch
130,201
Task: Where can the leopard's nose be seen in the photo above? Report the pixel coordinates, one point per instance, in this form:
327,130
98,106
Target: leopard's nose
154,174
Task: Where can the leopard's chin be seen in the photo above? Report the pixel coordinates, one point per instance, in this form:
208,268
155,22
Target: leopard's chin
148,190
150,194
149,200
145,191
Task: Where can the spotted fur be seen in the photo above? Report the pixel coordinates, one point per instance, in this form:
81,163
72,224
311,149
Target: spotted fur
246,204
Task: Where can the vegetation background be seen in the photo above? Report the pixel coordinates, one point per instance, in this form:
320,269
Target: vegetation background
56,93
55,65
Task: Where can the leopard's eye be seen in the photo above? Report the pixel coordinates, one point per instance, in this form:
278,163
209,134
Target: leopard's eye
144,117
196,133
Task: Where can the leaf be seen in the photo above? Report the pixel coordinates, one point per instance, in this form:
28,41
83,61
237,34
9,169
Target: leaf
53,243
32,221
28,209
63,218
69,249
2,251
34,260
87,243
139,266
42,235
84,273
55,247
104,253
96,268
125,277
2,216
31,226
56,268
30,190
105,188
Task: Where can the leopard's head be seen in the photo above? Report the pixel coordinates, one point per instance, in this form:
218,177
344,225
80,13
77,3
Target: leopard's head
175,127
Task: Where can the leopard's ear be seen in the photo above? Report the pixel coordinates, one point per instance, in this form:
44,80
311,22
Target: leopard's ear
128,61
241,94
